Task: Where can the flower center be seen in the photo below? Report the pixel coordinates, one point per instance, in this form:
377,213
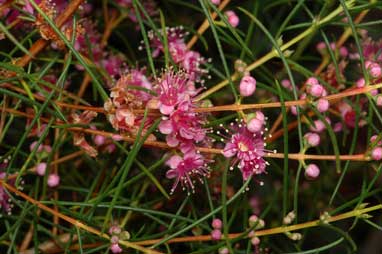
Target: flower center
243,147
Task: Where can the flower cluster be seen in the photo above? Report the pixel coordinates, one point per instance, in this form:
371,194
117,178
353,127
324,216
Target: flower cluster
182,126
5,201
189,60
131,92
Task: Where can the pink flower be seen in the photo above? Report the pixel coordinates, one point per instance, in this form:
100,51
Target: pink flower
192,165
192,64
182,125
215,2
248,150
247,86
174,90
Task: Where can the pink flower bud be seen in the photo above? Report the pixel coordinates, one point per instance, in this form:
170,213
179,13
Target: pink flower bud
286,83
217,224
117,137
367,64
319,126
373,92
115,248
223,250
233,19
378,100
312,171
255,125
322,105
374,70
376,153
260,116
344,52
247,86
312,139
293,109
33,145
337,127
255,241
312,81
374,138
53,180
41,168
315,90
253,220
216,234
360,83
115,230
47,148
114,239
215,2
321,46
99,140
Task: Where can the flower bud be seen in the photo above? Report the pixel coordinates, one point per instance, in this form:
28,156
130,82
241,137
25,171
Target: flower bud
215,2
247,86
53,180
216,234
322,105
311,81
255,241
115,248
255,125
312,171
41,168
223,250
360,83
286,84
232,18
217,224
316,90
312,139
374,70
376,153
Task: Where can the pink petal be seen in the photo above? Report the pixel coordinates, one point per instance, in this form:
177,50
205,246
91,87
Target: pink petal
165,127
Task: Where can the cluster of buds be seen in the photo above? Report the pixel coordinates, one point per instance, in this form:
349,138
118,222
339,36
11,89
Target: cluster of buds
116,234
216,233
255,223
189,60
376,152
